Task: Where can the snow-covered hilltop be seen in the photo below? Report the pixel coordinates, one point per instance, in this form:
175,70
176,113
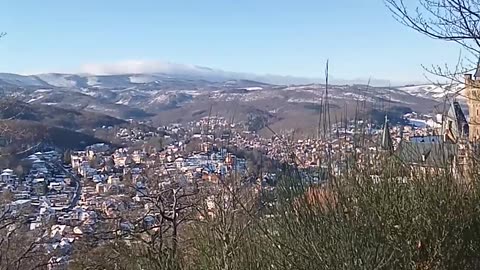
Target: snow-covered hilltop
434,91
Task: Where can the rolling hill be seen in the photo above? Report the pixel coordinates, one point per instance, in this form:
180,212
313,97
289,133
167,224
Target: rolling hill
21,135
56,116
26,127
166,98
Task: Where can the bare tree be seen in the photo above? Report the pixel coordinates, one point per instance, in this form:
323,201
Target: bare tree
147,233
456,21
170,201
20,246
225,234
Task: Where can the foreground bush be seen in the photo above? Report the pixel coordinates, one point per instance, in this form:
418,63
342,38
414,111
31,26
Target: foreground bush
425,221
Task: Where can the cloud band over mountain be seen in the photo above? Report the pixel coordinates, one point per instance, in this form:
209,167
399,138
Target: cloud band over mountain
152,67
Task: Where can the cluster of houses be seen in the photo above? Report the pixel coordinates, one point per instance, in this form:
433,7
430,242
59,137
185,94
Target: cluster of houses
136,134
43,195
43,181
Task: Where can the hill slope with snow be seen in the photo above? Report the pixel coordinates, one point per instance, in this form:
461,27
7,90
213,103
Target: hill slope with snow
438,92
179,98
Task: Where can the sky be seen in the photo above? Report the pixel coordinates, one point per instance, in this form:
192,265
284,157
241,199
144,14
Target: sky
360,38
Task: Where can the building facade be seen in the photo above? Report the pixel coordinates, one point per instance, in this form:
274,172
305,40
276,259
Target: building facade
472,88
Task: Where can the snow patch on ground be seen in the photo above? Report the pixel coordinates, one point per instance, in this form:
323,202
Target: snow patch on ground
160,99
43,91
123,102
142,79
192,93
309,87
355,96
57,80
435,91
303,100
94,107
35,99
92,81
253,88
90,93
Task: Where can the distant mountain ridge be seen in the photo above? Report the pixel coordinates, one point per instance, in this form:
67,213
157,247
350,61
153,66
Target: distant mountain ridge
185,81
60,80
196,73
166,98
140,91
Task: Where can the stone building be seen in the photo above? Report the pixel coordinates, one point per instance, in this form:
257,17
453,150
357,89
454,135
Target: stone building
472,88
446,151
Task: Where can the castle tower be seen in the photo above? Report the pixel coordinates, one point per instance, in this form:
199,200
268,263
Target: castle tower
472,87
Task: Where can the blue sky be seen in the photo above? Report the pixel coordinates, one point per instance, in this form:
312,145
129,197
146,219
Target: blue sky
282,37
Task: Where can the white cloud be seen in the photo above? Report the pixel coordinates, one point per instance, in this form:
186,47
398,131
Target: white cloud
165,67
136,67
145,67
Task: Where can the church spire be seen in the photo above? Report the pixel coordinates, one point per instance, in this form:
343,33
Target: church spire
386,142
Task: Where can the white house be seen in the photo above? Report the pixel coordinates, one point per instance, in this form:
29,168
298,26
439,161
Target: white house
8,177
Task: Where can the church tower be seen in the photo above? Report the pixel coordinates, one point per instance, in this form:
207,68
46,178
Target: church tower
386,142
472,87
455,128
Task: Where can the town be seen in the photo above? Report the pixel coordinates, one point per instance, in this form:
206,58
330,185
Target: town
78,193
231,135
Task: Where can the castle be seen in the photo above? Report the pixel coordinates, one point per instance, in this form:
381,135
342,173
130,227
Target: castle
451,147
472,88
